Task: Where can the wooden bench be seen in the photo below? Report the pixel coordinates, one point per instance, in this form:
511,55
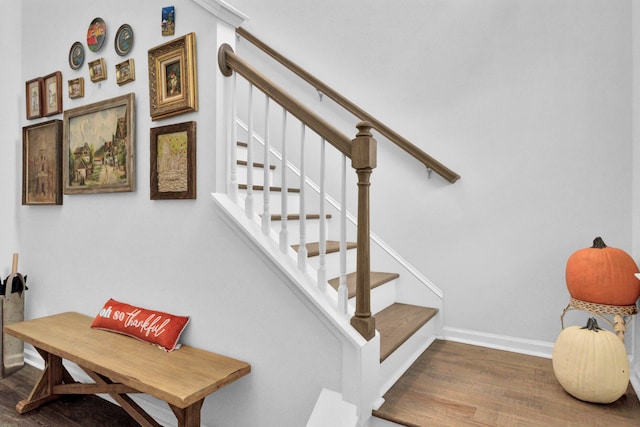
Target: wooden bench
120,365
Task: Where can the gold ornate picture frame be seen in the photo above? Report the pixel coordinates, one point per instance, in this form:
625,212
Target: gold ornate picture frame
99,144
173,86
97,70
76,88
42,163
173,161
125,72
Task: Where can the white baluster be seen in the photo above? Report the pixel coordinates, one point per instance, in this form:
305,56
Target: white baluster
284,236
302,250
233,142
248,202
343,292
266,211
322,238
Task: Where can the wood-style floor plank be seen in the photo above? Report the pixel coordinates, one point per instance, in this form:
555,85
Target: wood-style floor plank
454,384
69,411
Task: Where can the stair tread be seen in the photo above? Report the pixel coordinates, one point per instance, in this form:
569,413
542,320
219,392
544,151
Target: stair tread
255,164
313,249
399,322
295,217
261,188
376,279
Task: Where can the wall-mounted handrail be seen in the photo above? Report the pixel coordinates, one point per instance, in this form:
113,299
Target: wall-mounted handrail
389,133
228,62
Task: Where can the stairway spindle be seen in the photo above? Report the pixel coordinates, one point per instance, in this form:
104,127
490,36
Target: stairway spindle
233,141
302,250
322,237
248,202
266,211
343,292
284,237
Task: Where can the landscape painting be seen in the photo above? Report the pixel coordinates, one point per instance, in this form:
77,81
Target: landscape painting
98,147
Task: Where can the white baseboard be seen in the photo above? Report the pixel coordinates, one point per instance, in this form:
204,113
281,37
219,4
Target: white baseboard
499,342
154,407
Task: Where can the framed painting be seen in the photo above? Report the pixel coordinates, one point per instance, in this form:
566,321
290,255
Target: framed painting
125,72
52,94
99,143
173,161
33,92
173,87
42,163
97,70
76,88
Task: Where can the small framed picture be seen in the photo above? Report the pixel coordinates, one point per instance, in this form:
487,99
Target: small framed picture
173,86
125,72
168,21
42,163
97,70
173,161
52,94
33,91
76,88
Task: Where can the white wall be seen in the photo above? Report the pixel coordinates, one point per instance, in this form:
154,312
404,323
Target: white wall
176,256
11,142
530,101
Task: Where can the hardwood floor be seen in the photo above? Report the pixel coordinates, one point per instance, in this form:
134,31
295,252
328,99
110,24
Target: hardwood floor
68,411
455,384
451,384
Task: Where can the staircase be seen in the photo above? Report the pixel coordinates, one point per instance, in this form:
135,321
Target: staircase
287,206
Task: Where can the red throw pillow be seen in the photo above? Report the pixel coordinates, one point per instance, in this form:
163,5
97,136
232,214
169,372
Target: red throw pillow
156,327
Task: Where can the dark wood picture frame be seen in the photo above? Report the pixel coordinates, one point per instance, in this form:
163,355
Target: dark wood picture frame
42,163
173,161
173,86
99,145
52,94
33,97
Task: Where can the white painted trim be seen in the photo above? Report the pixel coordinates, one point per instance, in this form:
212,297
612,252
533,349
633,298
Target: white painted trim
499,342
223,11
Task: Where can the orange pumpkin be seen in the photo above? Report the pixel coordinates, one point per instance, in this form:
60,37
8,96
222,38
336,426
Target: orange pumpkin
602,275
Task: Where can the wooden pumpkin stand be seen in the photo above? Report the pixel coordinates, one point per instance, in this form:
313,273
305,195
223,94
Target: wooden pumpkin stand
619,313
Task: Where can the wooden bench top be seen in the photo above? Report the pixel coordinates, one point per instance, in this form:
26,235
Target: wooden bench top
181,377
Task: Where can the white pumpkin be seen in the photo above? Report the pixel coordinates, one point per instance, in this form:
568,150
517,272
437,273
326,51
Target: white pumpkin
591,363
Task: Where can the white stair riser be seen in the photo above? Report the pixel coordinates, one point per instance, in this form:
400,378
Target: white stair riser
401,359
257,177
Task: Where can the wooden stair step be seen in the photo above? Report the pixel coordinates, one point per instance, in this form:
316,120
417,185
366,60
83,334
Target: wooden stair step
296,217
313,249
397,323
376,279
261,188
255,164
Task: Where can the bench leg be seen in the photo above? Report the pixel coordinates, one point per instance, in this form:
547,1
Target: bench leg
189,416
54,373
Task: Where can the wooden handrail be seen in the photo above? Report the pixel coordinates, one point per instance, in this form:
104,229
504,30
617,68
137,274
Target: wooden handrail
389,133
228,62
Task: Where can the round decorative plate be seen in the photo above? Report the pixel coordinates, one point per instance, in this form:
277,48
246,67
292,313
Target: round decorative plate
76,56
96,34
124,39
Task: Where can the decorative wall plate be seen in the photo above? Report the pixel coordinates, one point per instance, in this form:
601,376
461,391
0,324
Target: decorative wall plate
76,55
96,34
124,39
